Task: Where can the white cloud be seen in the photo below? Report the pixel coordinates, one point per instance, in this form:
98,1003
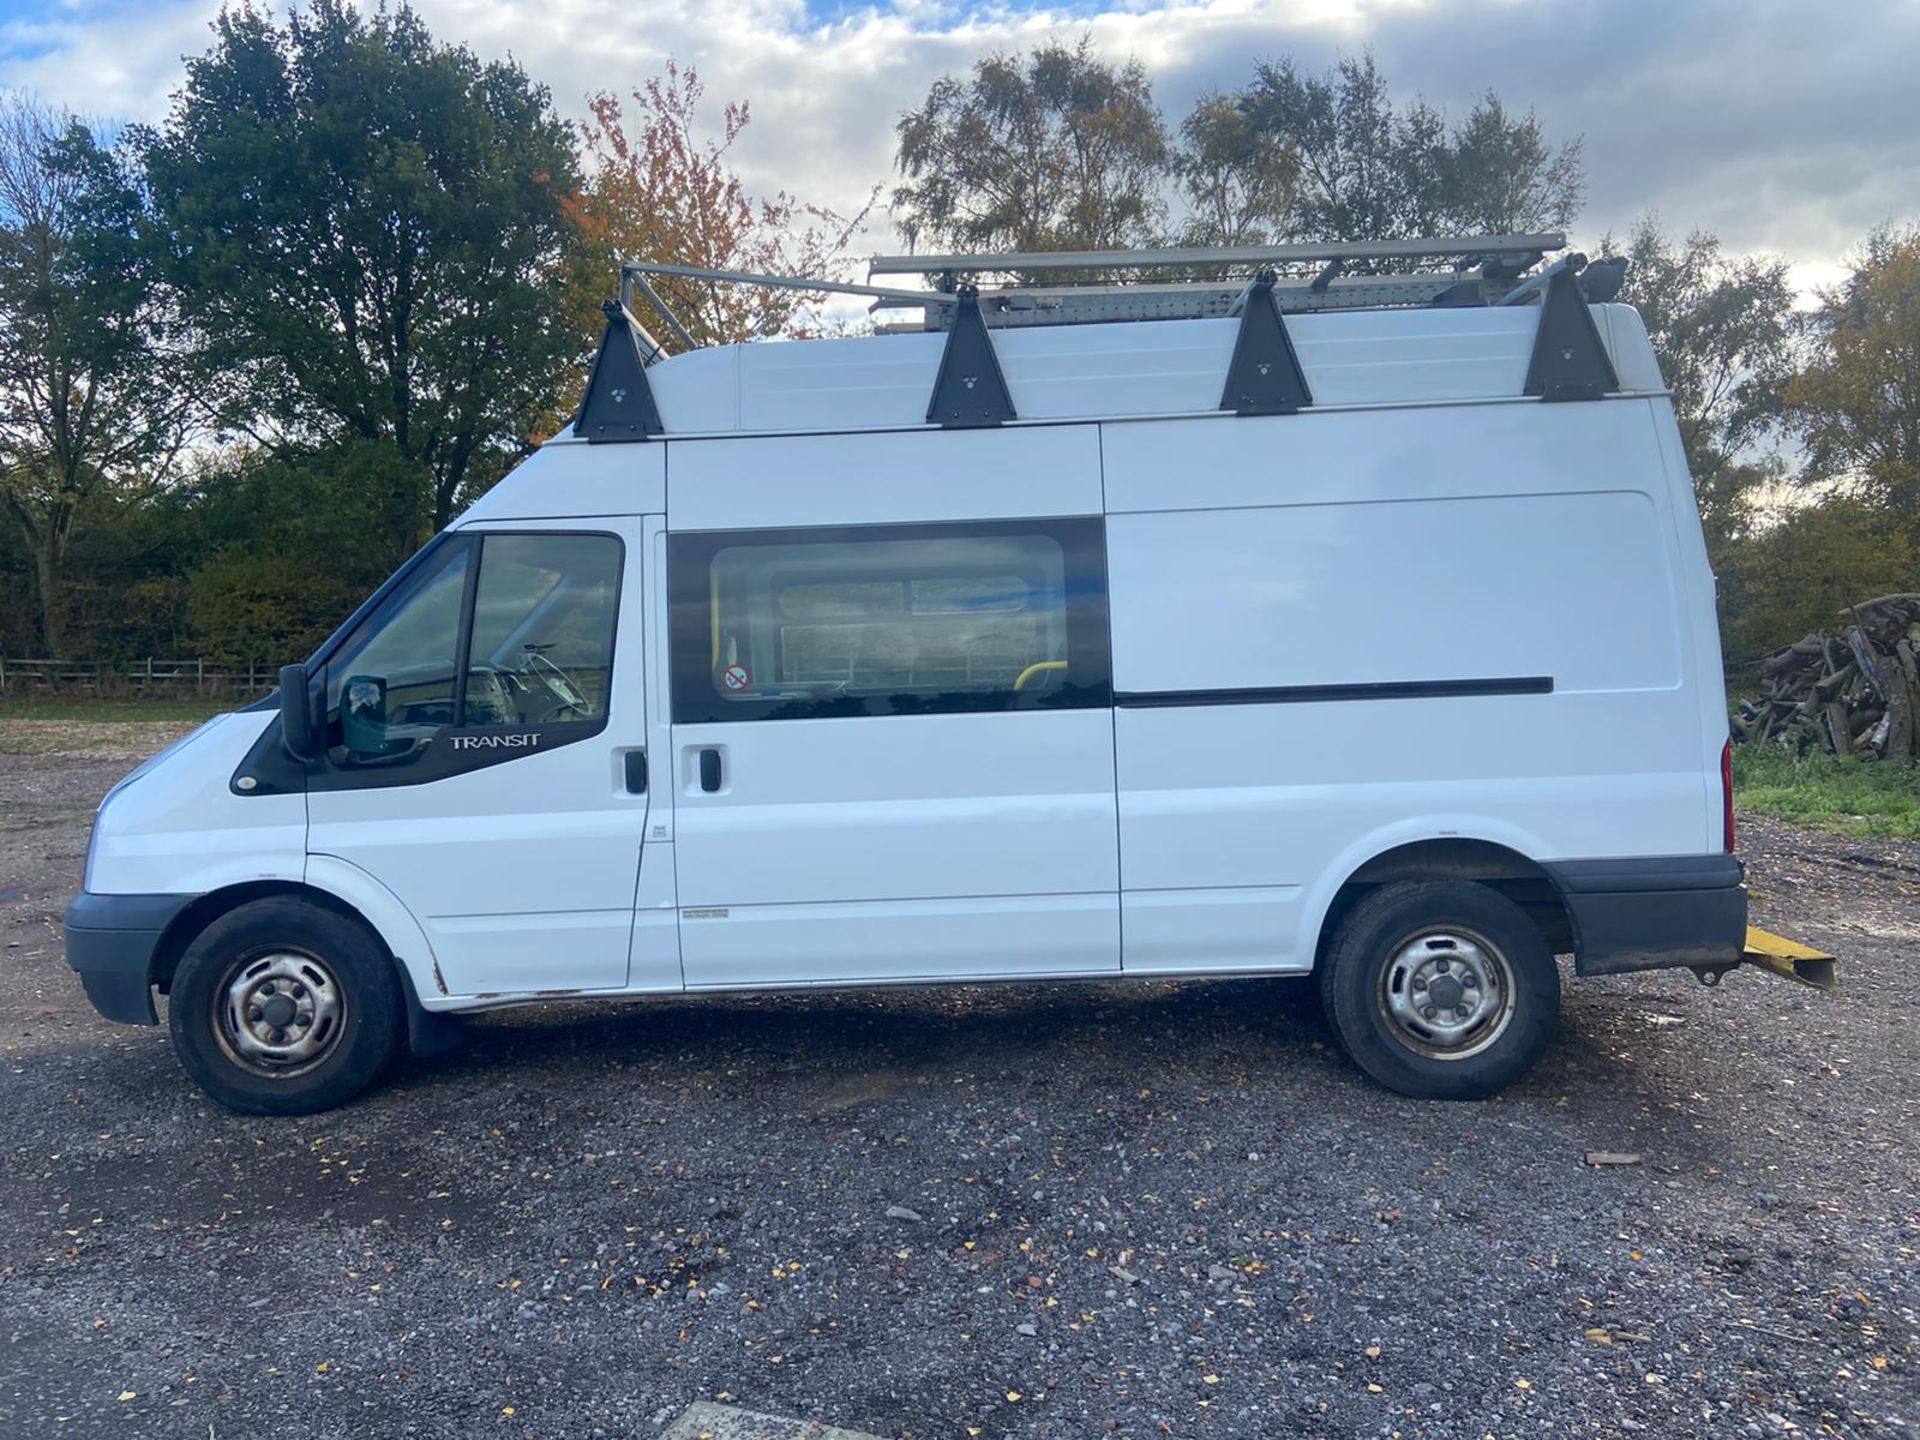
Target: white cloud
1780,125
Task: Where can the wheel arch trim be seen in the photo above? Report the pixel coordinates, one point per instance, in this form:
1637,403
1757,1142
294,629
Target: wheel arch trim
380,908
1432,838
330,881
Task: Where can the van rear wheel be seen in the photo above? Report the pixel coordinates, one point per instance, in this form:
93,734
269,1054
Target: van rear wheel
284,1007
1441,989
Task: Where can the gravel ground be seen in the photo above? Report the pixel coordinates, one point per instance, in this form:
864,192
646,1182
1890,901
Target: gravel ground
1016,1211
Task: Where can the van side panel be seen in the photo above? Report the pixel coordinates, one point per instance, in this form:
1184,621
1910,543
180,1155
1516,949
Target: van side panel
1456,621
885,478
1701,623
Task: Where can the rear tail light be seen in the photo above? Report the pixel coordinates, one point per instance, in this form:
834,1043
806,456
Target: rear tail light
1726,795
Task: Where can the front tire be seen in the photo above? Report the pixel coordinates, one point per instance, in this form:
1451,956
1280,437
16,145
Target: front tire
284,1007
1441,989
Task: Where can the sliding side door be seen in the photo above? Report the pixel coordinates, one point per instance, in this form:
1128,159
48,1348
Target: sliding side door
893,742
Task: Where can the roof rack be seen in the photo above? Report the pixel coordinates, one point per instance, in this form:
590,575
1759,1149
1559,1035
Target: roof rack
1482,268
1569,361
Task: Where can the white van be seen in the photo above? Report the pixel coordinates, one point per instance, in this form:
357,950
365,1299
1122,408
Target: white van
1332,629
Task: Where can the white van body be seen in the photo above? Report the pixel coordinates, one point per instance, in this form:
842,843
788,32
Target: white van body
1426,626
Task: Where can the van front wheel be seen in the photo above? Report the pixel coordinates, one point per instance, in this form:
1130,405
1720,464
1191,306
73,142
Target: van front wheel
1441,989
284,1007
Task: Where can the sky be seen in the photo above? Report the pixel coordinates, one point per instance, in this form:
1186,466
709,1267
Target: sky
1783,126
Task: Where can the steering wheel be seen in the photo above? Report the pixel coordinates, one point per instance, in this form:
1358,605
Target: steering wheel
557,681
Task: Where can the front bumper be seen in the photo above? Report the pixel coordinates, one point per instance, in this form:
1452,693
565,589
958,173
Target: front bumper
111,940
1650,914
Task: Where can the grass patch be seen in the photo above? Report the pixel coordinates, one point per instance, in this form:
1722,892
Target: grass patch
1847,797
107,711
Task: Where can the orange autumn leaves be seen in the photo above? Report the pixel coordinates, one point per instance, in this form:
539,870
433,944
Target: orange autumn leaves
657,188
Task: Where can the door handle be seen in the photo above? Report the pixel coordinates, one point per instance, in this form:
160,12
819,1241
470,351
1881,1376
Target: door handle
709,770
636,763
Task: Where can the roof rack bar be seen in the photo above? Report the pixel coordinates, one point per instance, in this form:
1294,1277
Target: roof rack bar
661,308
638,268
1534,284
1018,306
1190,256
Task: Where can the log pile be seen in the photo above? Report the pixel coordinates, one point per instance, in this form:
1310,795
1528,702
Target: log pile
1851,691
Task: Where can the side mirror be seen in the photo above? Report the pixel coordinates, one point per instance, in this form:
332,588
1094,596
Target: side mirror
363,716
296,714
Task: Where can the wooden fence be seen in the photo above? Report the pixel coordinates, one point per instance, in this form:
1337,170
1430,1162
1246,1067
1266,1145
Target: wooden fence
173,678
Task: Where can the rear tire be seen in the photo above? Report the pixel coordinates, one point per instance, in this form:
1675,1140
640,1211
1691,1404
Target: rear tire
1441,989
285,1007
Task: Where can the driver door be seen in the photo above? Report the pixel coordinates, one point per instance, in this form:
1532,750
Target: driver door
486,732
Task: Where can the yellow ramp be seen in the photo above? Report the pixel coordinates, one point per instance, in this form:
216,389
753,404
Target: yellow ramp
1790,960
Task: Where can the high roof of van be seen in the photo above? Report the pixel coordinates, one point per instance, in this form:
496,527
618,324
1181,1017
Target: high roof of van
1115,371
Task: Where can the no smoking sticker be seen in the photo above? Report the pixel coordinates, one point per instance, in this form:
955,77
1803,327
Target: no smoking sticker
735,677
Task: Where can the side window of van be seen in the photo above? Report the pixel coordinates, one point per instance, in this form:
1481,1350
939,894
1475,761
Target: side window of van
888,620
541,651
497,629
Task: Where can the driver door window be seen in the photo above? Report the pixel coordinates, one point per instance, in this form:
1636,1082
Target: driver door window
542,644
497,630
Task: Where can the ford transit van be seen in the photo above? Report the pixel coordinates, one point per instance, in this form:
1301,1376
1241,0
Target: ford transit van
1317,628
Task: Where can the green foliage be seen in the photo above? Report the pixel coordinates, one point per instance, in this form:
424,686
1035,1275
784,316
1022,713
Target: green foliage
1236,180
1796,574
1062,151
370,233
347,506
1056,150
1372,171
253,607
288,545
92,406
1858,402
1847,796
132,709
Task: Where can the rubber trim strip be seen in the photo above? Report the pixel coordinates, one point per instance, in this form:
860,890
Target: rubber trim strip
1323,694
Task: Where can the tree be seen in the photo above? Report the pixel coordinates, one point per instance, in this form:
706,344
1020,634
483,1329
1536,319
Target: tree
1499,176
1054,151
1724,332
1369,171
659,193
1857,404
90,401
1796,570
1236,181
371,234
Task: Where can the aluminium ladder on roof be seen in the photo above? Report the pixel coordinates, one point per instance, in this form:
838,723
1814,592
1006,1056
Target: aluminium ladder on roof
1264,376
1216,256
1483,267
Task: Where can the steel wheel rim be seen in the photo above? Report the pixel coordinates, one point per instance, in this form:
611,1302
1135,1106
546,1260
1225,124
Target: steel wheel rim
1446,993
280,1014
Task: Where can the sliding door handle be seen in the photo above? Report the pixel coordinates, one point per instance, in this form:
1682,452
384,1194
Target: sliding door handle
710,770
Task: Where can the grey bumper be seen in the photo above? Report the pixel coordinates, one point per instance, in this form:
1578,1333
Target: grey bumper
111,940
1647,914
